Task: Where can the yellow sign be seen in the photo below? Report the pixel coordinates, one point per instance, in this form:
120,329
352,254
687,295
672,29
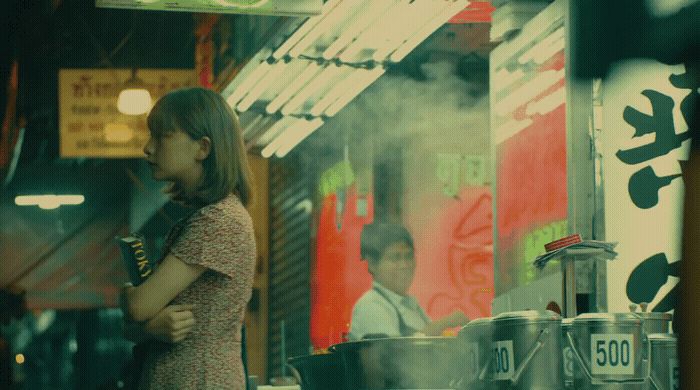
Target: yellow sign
90,124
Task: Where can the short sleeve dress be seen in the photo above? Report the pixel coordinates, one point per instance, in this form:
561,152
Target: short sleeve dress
220,237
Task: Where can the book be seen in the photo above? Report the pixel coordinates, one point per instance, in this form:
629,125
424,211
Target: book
138,264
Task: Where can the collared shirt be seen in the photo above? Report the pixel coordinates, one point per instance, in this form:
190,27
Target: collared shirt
373,314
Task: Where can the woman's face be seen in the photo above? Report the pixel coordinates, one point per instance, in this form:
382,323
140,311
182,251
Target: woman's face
396,268
174,156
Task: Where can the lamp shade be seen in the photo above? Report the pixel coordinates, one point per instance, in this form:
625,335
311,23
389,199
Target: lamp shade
134,101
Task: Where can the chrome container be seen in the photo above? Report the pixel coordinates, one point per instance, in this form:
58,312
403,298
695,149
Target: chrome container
525,351
656,322
611,351
665,372
474,341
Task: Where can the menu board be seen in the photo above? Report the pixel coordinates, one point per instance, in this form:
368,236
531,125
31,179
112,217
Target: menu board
529,144
258,7
88,107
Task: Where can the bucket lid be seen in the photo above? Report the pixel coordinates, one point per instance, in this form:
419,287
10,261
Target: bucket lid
629,318
472,326
527,316
655,316
663,339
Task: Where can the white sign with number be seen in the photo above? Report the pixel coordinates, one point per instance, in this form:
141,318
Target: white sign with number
503,360
612,354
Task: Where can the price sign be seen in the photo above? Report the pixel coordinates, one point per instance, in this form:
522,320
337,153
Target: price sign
503,363
674,378
612,354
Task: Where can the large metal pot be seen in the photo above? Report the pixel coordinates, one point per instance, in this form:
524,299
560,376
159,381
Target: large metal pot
318,372
474,346
525,352
656,322
399,363
611,351
665,371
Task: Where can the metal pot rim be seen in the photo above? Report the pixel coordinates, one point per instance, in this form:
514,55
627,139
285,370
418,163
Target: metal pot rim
613,318
427,340
528,316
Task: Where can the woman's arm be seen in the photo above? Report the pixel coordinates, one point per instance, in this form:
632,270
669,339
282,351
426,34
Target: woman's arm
170,278
170,325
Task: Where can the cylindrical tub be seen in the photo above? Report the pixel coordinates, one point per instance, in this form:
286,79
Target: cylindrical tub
318,372
525,351
474,344
399,363
665,372
611,351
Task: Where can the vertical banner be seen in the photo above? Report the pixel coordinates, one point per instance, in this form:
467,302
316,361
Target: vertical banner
646,108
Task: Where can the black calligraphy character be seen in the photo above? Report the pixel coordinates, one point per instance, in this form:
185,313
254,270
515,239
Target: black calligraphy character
660,123
647,279
644,187
686,81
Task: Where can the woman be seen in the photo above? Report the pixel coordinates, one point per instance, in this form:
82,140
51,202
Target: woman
191,308
387,309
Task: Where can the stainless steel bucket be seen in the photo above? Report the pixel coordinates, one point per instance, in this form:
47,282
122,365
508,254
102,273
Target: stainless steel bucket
611,351
656,322
474,344
525,351
665,372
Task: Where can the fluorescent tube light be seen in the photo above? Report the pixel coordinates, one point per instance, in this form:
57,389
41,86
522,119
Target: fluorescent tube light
49,201
365,78
331,19
293,136
262,85
292,88
276,130
321,79
362,21
304,29
260,71
398,30
451,10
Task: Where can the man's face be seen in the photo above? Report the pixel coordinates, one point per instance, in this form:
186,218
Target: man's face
396,267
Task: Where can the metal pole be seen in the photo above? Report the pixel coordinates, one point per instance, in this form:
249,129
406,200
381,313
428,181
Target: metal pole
568,268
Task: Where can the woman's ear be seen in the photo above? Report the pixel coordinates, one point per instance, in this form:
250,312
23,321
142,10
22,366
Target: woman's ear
204,148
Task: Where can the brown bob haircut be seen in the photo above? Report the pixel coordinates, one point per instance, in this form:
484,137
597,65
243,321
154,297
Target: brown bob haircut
199,113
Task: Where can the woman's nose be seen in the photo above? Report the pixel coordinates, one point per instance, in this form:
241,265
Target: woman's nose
147,148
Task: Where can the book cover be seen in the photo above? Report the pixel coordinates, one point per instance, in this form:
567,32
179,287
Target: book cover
138,264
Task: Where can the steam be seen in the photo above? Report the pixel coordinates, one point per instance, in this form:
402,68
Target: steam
438,115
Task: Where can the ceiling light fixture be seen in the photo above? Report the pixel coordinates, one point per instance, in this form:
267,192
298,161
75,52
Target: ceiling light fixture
134,98
49,201
430,27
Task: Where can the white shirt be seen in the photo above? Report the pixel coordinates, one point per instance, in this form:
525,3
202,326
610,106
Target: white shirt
373,314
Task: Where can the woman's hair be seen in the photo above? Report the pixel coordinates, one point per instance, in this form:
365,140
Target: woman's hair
377,237
200,112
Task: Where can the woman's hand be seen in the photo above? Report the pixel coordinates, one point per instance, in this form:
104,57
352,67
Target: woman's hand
172,324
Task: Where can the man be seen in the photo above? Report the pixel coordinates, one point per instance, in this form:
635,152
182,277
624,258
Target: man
387,309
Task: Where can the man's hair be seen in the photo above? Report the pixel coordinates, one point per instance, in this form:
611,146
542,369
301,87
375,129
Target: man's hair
201,113
377,237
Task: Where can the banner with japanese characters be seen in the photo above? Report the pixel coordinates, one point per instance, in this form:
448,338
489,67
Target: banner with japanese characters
90,125
645,141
